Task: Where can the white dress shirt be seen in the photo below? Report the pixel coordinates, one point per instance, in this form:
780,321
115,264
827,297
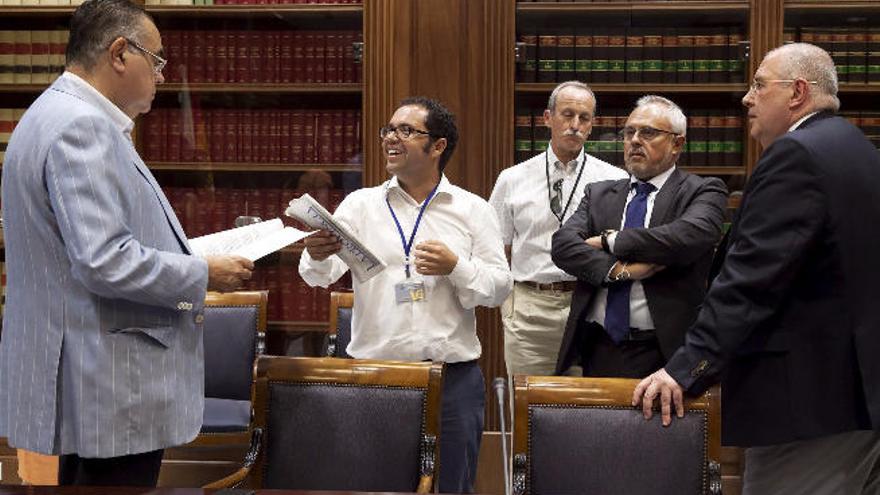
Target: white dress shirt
521,200
639,314
443,326
117,116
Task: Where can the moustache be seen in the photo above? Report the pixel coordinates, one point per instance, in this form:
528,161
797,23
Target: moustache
575,133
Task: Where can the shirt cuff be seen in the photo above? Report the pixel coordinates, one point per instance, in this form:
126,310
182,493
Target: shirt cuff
463,272
611,238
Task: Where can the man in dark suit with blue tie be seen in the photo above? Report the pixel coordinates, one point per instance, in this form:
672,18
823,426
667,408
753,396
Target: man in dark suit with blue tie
640,248
790,325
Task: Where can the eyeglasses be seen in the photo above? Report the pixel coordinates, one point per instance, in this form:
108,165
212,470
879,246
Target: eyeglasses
556,200
758,86
160,62
402,131
647,133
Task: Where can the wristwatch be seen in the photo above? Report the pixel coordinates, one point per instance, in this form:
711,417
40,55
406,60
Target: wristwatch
604,238
623,275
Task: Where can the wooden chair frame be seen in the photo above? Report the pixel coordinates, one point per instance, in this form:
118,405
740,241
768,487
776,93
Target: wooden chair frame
337,300
600,392
233,299
424,375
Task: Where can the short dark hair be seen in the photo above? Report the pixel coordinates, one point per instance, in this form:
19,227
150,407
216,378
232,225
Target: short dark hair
97,23
440,123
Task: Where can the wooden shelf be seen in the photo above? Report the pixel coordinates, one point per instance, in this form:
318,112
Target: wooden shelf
290,88
37,10
255,167
297,326
23,88
251,11
715,170
655,88
859,88
836,7
636,6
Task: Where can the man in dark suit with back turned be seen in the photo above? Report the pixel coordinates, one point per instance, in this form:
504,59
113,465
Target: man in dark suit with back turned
790,324
640,248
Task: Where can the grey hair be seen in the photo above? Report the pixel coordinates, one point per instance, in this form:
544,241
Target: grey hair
97,23
551,103
672,111
803,60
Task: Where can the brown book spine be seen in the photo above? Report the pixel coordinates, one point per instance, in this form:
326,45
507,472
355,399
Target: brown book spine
873,60
547,57
736,67
522,135
718,57
838,52
733,136
685,50
635,58
870,124
670,56
603,128
652,66
715,144
701,58
7,57
59,45
856,58
620,117
583,53
617,58
565,58
527,70
698,124
22,69
540,132
40,57
599,68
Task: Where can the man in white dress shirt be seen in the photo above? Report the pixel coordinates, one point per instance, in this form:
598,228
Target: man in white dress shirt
445,257
533,199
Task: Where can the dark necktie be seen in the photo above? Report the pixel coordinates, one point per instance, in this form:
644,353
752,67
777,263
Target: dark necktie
617,304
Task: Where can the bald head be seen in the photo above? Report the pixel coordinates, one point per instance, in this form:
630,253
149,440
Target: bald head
809,62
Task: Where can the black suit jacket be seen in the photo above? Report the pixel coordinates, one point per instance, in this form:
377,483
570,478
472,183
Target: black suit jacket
791,324
685,225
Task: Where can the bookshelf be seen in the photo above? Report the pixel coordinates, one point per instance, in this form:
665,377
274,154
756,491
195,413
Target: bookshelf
693,52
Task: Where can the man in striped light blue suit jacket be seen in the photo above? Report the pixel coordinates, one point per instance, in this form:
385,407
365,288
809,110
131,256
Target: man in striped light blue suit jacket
101,355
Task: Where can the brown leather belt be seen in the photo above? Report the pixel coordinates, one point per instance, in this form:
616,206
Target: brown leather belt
564,286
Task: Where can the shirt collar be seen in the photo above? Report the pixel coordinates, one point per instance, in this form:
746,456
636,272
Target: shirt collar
445,186
93,96
553,159
801,121
657,181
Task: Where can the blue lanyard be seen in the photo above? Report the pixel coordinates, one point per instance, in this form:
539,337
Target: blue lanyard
407,246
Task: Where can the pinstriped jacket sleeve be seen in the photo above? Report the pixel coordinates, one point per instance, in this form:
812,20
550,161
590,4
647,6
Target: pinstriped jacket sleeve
87,192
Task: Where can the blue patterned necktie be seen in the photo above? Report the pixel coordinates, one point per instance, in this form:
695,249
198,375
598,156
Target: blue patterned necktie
617,304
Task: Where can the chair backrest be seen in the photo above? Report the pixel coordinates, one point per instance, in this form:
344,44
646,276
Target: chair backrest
339,330
346,424
235,330
582,435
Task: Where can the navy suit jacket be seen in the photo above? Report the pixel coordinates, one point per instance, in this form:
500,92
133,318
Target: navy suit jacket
790,325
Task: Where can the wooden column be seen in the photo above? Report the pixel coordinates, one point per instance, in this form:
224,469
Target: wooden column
766,18
461,53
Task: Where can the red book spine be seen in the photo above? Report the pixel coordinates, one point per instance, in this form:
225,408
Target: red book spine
246,136
230,124
203,207
261,136
336,197
257,56
304,301
358,67
201,126
272,284
284,137
272,203
187,135
171,46
242,51
297,137
322,304
337,144
287,296
348,66
197,57
220,212
272,56
153,123
172,145
218,135
209,58
309,55
255,202
221,62
286,62
237,200
309,138
184,49
325,137
320,56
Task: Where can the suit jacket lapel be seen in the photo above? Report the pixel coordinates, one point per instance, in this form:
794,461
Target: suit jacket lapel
166,207
665,197
613,218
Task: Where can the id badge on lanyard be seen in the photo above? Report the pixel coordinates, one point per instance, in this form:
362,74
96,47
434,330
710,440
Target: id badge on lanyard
413,288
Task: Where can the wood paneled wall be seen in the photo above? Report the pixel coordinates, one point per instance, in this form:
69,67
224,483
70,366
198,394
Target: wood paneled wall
461,53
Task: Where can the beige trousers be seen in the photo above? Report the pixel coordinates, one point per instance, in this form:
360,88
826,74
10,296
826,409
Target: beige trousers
534,321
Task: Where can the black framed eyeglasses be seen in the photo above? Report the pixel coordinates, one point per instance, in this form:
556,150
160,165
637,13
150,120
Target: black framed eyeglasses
159,62
402,131
556,199
647,133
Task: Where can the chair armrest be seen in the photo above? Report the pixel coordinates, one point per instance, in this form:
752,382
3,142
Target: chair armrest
425,484
427,451
236,478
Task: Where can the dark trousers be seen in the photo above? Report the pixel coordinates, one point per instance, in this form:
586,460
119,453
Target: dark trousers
461,429
636,358
127,470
